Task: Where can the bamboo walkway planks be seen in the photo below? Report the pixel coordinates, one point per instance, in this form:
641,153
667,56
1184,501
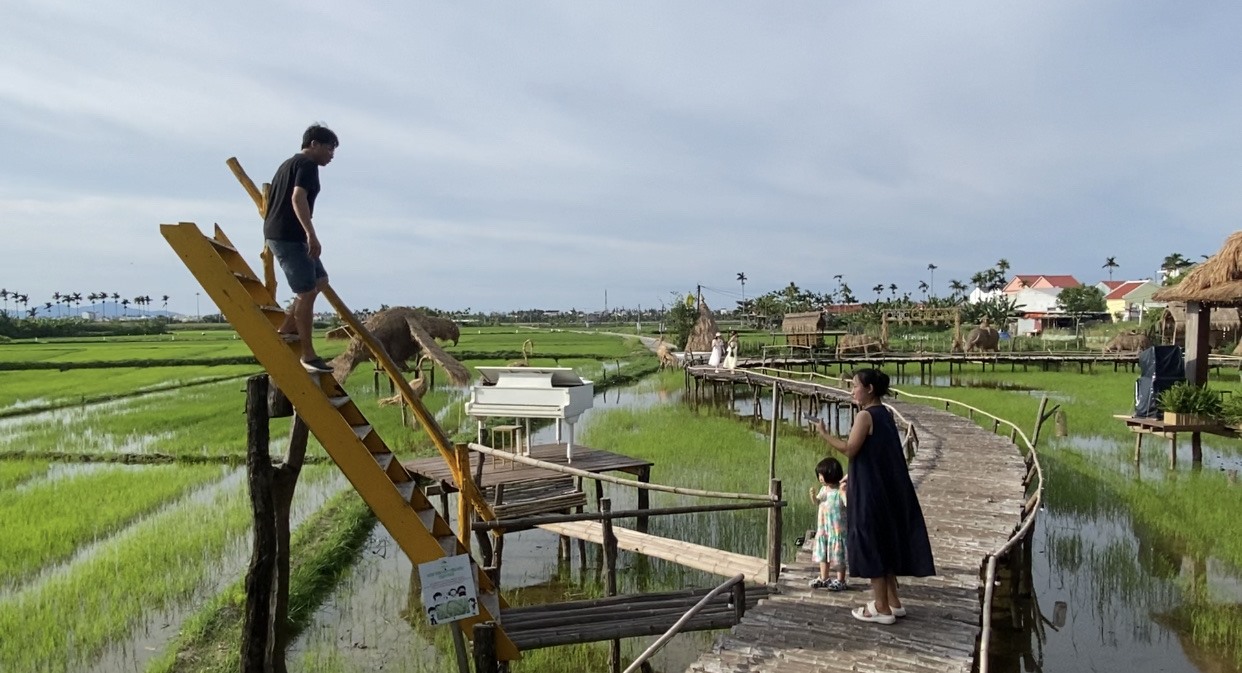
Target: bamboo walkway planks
699,557
970,486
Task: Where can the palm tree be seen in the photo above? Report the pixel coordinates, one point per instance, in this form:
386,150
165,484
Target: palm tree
116,297
741,278
4,294
892,290
931,281
165,305
125,307
847,295
878,290
1110,264
957,286
1002,265
923,287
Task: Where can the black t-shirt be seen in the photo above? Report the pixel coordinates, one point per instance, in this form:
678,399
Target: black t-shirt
281,223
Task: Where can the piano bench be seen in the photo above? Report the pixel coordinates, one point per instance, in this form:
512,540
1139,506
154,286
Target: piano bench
514,435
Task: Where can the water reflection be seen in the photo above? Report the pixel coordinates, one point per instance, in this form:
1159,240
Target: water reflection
1124,588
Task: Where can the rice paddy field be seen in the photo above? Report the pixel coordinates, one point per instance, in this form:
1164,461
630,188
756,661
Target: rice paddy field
127,526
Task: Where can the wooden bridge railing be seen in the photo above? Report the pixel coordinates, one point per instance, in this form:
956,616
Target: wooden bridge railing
771,501
735,583
1035,474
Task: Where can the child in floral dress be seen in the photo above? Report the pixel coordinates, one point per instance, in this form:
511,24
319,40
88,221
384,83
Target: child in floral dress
828,548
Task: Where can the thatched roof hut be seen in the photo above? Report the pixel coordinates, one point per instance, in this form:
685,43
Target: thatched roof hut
1216,283
1225,324
703,332
804,329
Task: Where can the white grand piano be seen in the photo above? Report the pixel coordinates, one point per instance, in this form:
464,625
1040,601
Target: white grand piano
531,392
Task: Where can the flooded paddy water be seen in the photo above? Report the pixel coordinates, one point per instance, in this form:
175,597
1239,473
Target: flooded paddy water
1110,591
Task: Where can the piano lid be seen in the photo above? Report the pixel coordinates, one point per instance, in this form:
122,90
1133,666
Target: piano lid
530,377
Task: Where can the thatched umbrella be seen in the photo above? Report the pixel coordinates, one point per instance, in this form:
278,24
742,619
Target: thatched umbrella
703,332
1214,283
400,330
442,329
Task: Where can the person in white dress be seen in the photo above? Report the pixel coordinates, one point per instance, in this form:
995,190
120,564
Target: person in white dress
718,345
730,360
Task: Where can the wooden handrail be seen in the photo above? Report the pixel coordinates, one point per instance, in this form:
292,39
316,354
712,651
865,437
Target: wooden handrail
557,467
539,520
676,627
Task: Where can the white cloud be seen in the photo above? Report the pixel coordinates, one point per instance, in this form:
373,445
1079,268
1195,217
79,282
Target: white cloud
501,155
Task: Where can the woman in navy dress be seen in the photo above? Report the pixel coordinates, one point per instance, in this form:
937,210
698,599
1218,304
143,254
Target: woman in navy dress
886,534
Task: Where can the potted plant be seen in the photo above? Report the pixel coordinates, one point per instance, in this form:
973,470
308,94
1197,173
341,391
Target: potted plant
1231,412
1189,405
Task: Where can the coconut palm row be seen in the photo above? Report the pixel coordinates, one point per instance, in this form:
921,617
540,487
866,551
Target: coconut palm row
60,304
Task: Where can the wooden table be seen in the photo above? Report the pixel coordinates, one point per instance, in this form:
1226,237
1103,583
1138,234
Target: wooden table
1156,426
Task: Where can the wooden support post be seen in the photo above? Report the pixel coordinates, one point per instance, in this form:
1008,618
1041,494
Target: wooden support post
610,579
774,533
739,601
463,504
1138,446
1198,329
644,496
257,639
1172,450
776,414
459,648
485,649
1196,448
579,482
1040,417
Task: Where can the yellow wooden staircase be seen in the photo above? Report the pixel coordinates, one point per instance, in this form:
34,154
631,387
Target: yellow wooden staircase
336,421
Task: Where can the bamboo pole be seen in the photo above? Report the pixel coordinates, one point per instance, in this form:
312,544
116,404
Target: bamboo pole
776,414
484,649
463,503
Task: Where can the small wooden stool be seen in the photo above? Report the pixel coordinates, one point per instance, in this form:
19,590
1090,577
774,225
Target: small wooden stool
514,434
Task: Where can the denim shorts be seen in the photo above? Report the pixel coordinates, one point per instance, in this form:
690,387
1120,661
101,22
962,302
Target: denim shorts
301,270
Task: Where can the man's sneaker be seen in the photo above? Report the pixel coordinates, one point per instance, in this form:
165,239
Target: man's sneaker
290,337
818,583
316,366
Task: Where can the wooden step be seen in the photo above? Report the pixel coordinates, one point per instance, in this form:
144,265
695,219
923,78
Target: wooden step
383,460
223,247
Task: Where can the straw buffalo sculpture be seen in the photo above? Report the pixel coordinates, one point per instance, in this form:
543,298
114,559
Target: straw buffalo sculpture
403,333
983,338
1128,341
858,342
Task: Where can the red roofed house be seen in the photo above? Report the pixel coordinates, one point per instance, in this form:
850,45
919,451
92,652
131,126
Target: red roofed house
1040,282
1129,299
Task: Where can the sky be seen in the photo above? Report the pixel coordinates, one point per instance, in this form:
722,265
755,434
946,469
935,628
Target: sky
504,155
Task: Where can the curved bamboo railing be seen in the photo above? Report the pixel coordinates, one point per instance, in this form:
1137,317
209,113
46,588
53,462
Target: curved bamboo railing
660,642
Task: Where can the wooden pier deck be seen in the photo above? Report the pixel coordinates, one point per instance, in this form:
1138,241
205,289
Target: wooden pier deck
500,471
697,556
970,484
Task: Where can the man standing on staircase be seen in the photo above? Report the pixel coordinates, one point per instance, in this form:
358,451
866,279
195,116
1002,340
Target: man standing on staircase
290,235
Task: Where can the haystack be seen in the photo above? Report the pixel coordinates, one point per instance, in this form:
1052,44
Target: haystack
339,333
442,328
400,330
703,332
1224,324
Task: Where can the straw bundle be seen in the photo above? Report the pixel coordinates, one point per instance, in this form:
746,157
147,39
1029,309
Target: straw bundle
703,332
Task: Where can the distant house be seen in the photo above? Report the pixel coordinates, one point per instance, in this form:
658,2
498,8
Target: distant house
979,294
1039,282
1037,308
1129,299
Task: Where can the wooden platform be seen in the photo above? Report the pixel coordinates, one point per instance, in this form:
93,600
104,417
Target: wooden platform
536,626
697,556
970,486
500,471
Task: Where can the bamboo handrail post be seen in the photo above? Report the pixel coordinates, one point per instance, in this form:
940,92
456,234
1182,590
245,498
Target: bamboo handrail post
774,533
